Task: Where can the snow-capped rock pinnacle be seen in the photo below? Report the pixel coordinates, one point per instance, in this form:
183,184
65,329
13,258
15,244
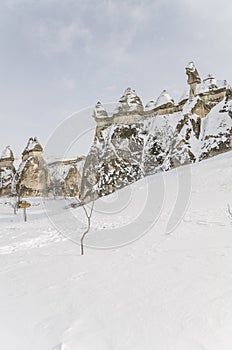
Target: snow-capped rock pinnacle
130,102
7,153
32,177
32,147
99,111
164,99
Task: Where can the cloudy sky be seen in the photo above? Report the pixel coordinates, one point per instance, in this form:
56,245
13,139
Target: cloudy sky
59,56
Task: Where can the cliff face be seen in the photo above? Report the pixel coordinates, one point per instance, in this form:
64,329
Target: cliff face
125,151
32,178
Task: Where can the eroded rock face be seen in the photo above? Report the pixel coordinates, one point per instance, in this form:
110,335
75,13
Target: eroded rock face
32,178
7,171
66,177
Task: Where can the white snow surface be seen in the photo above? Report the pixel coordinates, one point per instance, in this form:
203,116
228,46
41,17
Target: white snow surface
164,292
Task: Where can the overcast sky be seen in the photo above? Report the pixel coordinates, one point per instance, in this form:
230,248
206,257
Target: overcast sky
59,56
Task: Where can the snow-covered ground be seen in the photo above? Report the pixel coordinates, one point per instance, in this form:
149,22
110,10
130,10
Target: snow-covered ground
162,291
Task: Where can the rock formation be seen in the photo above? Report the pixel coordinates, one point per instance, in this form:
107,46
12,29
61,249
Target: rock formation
35,178
32,177
135,142
66,177
7,171
132,142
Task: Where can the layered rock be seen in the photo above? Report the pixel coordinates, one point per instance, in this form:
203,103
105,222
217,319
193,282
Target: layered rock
7,171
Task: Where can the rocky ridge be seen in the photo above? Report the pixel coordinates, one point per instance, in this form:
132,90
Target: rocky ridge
130,143
135,142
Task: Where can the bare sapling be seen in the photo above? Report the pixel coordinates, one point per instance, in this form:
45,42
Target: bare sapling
88,216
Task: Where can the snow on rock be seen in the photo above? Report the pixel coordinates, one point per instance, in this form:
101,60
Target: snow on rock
123,153
32,176
33,145
99,111
150,106
191,66
184,96
130,102
164,99
136,143
7,153
7,171
210,83
217,130
66,177
185,145
6,179
189,105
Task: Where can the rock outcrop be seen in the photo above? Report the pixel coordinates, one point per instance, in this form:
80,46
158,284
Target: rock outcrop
35,178
7,171
132,142
32,177
217,130
135,142
66,177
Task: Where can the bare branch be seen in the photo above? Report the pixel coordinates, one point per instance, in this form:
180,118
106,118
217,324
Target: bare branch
88,216
91,212
86,213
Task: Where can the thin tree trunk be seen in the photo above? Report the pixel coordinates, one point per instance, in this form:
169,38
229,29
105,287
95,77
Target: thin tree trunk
83,237
88,226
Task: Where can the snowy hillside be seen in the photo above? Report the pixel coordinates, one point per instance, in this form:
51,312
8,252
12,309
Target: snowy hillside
162,291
